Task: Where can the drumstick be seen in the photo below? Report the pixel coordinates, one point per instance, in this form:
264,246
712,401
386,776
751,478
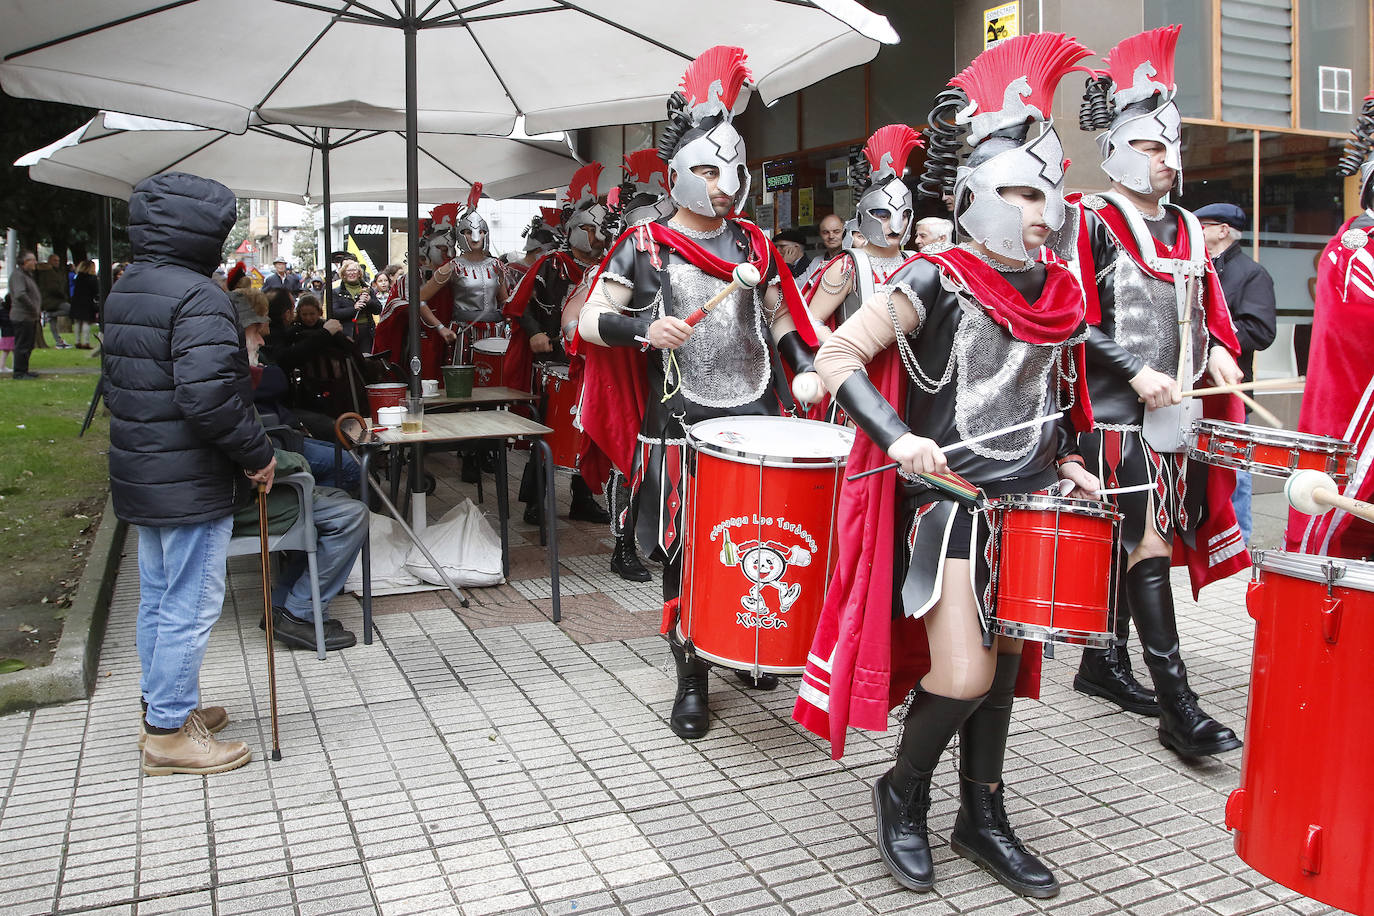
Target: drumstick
971,440
1259,410
1272,384
1138,488
1313,493
746,276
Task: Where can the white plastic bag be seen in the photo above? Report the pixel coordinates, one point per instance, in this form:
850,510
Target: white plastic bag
465,545
389,572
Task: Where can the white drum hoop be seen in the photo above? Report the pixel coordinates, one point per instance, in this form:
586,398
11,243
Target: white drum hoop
1338,452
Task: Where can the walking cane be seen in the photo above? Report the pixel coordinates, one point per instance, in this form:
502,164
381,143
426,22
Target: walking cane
267,617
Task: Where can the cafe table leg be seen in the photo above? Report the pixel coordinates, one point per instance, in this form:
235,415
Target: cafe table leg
550,519
503,506
365,462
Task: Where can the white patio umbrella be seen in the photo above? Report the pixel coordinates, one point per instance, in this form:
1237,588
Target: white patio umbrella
113,152
464,65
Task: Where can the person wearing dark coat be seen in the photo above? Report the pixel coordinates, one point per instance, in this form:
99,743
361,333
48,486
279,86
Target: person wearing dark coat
356,305
1249,293
186,451
85,303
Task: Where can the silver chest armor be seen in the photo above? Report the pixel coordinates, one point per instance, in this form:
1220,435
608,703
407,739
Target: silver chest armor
725,362
1002,381
1147,318
476,289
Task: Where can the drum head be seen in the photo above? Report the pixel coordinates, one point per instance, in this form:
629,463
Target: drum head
773,441
1043,502
1265,435
1341,572
491,345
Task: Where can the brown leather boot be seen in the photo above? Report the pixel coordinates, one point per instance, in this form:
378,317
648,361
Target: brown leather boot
191,749
214,718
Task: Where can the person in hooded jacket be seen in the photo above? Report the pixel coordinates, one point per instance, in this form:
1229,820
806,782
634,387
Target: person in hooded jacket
186,452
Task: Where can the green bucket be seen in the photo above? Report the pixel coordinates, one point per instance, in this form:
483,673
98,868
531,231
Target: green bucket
458,381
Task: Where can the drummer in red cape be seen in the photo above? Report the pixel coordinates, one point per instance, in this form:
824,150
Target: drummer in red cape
538,327
1339,399
436,248
635,403
1155,286
959,342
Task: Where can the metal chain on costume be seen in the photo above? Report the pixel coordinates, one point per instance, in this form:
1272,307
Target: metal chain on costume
913,368
996,264
840,287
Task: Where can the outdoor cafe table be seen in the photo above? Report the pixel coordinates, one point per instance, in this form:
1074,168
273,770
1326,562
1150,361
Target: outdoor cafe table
498,396
456,429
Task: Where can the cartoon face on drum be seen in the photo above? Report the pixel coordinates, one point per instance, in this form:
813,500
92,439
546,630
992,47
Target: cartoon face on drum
764,563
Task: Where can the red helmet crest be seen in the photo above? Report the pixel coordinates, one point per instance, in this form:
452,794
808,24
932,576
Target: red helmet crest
552,216
713,81
474,195
645,168
583,183
1143,65
887,150
1014,82
444,216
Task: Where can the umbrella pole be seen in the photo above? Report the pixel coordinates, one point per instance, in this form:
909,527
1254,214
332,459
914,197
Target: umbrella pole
267,617
410,21
328,265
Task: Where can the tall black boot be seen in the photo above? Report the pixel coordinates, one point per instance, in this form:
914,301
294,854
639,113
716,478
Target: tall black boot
534,502
625,560
901,796
1183,727
1106,673
691,716
584,507
982,831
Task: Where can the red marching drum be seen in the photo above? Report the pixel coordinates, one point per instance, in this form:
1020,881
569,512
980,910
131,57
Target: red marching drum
1053,569
1272,452
761,501
560,413
489,356
1303,811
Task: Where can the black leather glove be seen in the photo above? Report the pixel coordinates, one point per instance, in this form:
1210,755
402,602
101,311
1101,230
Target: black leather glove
871,410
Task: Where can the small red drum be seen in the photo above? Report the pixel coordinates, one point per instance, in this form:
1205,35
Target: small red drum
1303,811
469,334
759,516
489,356
1272,452
1054,569
560,410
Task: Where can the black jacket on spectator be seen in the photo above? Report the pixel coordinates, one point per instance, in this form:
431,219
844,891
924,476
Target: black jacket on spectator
182,427
1249,292
86,298
345,308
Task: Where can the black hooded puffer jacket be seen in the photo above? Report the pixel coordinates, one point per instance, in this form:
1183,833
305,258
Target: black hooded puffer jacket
182,428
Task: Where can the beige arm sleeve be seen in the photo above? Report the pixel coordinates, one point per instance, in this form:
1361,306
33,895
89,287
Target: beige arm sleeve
773,305
823,303
856,342
606,296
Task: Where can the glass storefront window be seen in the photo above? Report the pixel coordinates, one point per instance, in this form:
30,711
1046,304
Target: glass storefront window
1193,61
1333,38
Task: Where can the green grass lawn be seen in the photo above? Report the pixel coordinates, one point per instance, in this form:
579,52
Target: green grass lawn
52,492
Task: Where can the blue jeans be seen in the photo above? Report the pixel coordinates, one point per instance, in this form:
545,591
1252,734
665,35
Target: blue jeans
1240,501
340,527
181,573
320,455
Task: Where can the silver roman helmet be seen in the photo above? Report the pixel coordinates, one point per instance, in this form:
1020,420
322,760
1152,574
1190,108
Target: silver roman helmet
1003,98
700,132
1133,100
878,177
1358,156
584,216
470,223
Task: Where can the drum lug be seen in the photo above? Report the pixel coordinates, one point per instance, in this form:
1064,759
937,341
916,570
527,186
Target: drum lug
1331,620
689,651
1236,810
1311,859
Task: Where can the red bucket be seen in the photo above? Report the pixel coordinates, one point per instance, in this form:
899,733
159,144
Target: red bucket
385,394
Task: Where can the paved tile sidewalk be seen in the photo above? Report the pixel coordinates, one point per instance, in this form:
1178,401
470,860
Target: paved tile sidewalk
487,761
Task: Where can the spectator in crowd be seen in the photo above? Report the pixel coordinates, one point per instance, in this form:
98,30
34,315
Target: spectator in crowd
283,278
832,238
381,287
356,305
281,312
338,258
85,303
6,334
1249,293
186,450
792,246
316,288
238,278
52,284
932,230
25,311
221,278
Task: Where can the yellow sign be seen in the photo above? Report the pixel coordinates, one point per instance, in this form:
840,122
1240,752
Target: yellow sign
1000,23
806,207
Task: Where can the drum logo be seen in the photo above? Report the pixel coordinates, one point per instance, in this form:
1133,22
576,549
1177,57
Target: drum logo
764,565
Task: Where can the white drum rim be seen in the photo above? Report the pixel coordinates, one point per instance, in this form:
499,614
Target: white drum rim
1357,574
1284,438
491,344
558,370
386,385
737,664
756,459
1044,502
1036,632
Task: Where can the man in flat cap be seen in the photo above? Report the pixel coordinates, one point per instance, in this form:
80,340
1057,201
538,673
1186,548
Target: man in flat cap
1249,292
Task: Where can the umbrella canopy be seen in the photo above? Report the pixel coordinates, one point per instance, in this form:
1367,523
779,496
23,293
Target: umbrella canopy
479,63
113,152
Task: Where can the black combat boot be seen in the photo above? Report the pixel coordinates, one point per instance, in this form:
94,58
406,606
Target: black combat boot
901,796
691,716
625,560
1106,673
982,832
584,507
1183,727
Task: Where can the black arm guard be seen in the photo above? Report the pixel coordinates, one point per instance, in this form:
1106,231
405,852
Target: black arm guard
621,330
870,410
798,355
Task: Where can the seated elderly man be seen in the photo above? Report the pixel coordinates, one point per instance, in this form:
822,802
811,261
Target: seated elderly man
340,528
932,231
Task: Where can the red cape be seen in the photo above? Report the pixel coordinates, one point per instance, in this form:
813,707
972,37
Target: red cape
615,379
519,361
1340,390
393,330
1216,555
